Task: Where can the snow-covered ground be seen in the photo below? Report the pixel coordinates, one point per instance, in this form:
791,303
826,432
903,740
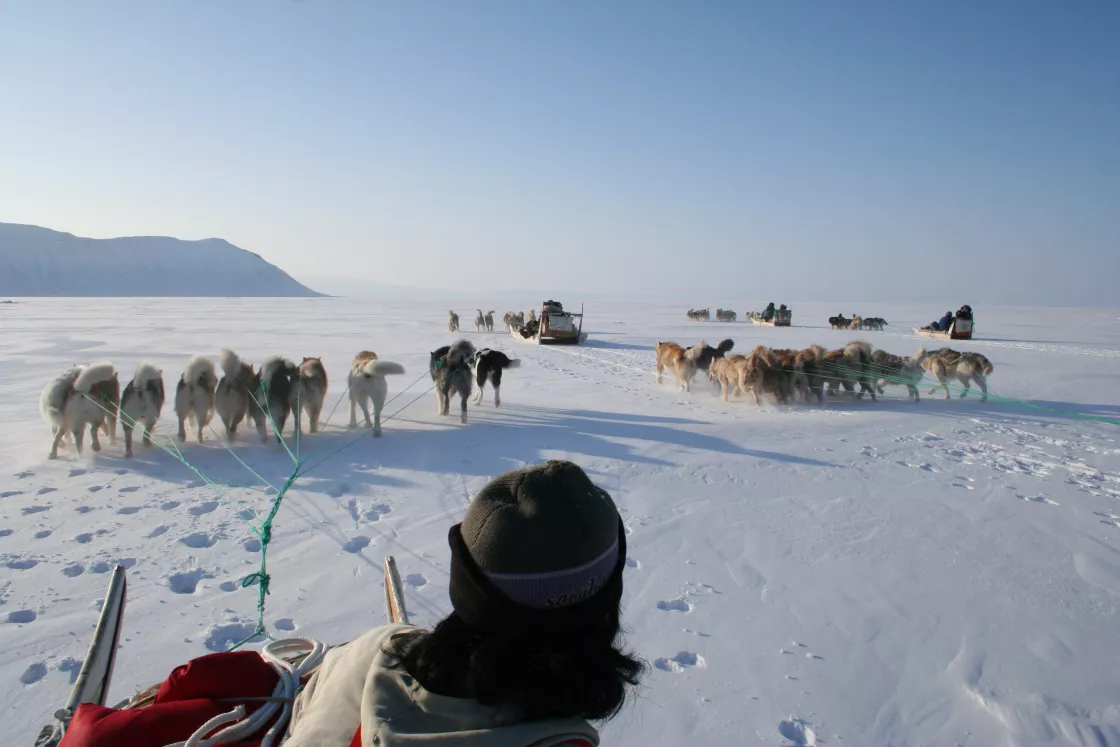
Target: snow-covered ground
946,573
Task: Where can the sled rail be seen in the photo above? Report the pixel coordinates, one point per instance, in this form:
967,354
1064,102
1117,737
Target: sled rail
394,597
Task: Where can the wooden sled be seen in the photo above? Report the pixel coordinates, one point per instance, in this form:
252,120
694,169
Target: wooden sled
546,334
960,329
780,319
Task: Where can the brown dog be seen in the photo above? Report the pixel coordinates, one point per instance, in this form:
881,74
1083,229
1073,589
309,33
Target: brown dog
671,355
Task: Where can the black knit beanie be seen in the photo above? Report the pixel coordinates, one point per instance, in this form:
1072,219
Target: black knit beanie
540,552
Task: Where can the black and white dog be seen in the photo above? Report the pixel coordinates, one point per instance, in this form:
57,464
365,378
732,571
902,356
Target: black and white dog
488,366
450,367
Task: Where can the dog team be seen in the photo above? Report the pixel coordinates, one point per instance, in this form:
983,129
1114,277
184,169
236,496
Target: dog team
789,375
874,323
90,397
485,322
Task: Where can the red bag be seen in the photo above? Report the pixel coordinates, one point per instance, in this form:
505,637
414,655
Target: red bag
187,699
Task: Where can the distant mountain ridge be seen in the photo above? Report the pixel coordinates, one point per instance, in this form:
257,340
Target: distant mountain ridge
37,261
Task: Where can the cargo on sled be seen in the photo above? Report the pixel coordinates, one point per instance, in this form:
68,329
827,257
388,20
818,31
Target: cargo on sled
951,327
554,327
240,697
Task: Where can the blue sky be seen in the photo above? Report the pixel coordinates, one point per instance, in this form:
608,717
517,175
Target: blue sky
805,150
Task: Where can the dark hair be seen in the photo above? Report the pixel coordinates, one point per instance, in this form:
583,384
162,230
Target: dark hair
578,674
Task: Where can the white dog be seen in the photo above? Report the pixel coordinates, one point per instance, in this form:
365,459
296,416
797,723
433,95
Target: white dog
194,395
367,382
81,397
141,404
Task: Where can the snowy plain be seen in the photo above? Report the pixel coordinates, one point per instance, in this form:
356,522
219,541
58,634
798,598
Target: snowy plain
890,573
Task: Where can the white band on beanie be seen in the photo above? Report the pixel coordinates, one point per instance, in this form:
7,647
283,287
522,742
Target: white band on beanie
557,588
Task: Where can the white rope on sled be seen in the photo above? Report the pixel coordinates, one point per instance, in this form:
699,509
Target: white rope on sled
273,652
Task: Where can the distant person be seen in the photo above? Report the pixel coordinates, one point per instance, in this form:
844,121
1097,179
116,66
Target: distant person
946,322
768,313
531,651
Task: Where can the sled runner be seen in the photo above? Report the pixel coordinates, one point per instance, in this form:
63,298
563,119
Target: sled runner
555,327
266,682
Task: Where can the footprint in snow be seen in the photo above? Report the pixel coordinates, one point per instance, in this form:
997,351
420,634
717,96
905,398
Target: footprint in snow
187,581
202,508
416,580
634,563
33,673
84,509
44,491
34,510
225,637
338,490
252,545
78,472
129,489
23,564
22,616
5,532
1037,499
43,533
84,538
72,667
168,505
285,623
356,544
797,731
198,540
374,513
95,488
73,570
129,510
682,661
10,493
100,567
161,529
675,605
229,586
24,475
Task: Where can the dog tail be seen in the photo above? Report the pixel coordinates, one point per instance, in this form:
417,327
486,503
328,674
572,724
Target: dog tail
200,370
382,368
53,402
95,373
920,354
985,364
725,346
230,363
145,373
513,363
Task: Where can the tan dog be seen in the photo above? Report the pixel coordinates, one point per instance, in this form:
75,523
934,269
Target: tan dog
966,367
671,355
766,372
896,369
728,371
453,322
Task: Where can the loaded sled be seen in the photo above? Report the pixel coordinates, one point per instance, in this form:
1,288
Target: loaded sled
235,696
960,329
781,318
554,327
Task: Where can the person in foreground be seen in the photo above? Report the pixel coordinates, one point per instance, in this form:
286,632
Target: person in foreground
531,652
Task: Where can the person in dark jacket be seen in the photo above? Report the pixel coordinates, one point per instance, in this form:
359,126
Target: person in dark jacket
946,322
768,313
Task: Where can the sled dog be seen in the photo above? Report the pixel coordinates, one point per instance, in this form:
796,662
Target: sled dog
450,367
235,391
488,366
367,383
271,405
141,404
947,363
194,395
309,391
